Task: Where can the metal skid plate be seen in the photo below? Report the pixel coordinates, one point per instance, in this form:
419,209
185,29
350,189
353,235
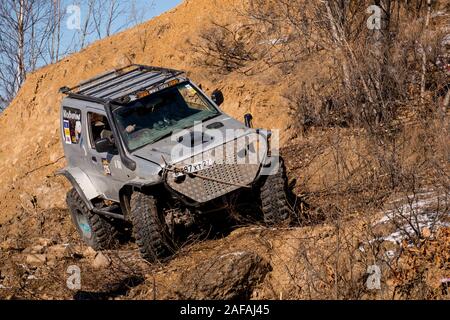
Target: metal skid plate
229,169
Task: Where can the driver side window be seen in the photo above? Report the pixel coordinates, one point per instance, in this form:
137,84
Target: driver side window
99,128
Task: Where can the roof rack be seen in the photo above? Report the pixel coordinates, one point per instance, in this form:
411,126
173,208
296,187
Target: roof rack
122,82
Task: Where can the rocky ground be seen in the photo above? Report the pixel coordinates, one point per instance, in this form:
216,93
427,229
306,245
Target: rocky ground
39,251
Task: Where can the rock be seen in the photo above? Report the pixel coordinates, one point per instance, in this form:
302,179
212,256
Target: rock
37,249
426,232
57,252
5,246
89,253
122,61
74,251
36,259
45,242
101,261
9,245
229,276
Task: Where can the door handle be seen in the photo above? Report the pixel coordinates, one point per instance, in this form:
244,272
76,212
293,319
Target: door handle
94,159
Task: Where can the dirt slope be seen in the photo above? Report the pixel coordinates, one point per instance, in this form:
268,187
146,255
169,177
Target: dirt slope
30,149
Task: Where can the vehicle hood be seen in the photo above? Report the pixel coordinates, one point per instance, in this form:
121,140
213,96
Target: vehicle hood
161,152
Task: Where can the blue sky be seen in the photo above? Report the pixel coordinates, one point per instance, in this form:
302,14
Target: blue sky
164,5
146,9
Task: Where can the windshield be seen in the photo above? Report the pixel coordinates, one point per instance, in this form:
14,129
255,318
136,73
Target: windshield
160,114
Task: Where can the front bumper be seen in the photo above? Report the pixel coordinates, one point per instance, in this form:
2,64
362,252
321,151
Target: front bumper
235,165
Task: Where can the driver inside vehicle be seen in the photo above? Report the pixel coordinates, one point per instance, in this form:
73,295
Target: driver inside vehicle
160,114
139,116
131,128
135,117
100,128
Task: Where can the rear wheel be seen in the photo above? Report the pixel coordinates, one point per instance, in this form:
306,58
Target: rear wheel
276,205
149,228
96,231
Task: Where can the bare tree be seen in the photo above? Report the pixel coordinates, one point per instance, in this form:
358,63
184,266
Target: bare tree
86,29
136,14
24,28
370,75
105,14
424,55
55,43
31,34
102,18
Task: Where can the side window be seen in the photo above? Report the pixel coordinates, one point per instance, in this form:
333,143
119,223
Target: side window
71,125
98,128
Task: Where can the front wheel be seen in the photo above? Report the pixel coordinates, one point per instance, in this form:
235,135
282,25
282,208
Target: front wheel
276,204
96,231
149,228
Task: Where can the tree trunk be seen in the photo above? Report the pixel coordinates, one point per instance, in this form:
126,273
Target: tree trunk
56,32
21,73
338,41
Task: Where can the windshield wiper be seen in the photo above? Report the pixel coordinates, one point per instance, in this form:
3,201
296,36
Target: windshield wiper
211,117
168,134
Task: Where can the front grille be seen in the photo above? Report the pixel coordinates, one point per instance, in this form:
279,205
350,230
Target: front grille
232,173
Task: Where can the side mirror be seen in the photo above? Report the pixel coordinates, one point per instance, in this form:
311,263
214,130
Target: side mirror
103,145
248,120
217,97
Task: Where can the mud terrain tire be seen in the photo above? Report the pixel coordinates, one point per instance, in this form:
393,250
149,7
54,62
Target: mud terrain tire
95,230
149,229
276,206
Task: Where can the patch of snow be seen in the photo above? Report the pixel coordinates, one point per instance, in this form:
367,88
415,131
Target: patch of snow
405,209
423,221
413,217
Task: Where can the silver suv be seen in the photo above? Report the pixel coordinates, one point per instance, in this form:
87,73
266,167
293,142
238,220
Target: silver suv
146,146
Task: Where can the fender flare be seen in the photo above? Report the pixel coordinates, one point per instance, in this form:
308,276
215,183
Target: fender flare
82,184
128,188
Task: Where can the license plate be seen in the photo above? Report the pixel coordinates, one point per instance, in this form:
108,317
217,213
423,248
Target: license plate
195,167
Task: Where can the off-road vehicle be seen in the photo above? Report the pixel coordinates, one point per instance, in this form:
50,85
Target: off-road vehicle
146,146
